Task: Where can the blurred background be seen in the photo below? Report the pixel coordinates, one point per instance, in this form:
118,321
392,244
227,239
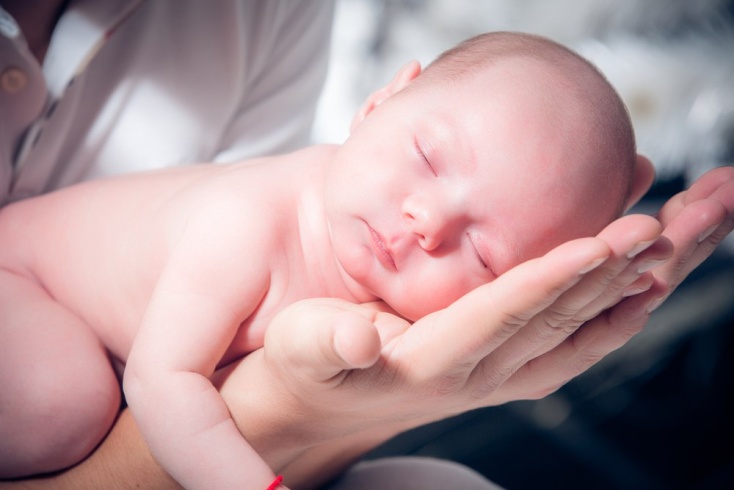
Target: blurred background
657,414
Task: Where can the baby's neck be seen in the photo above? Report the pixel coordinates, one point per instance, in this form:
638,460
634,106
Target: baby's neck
315,237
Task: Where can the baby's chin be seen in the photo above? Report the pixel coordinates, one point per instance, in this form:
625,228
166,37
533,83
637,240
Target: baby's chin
402,306
413,309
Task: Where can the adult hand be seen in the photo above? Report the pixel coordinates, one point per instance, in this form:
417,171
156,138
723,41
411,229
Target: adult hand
695,221
340,369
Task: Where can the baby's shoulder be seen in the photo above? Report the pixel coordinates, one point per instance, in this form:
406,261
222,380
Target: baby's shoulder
261,195
318,153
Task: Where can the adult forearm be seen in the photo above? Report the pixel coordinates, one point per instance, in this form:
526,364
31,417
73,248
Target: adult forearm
292,441
318,465
124,462
121,462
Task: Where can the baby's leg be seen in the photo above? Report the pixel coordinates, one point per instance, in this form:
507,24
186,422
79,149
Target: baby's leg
58,391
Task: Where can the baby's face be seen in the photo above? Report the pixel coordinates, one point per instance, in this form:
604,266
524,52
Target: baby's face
440,190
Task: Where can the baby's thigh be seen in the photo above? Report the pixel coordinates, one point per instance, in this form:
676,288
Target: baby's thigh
58,392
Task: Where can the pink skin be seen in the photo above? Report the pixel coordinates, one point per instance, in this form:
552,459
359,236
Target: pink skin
518,337
461,192
438,198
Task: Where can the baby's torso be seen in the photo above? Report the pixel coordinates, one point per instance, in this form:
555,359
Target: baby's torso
96,248
99,248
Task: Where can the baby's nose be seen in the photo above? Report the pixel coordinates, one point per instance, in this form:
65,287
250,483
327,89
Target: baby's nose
431,221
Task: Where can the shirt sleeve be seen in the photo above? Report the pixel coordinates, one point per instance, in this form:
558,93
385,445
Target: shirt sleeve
276,112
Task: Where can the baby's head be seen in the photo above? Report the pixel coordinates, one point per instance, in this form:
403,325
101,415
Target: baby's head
503,148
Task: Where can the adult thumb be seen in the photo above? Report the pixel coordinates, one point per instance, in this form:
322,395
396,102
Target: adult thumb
322,338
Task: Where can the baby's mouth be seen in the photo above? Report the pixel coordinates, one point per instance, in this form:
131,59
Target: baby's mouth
381,251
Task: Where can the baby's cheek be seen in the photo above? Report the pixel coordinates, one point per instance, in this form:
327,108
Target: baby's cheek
432,294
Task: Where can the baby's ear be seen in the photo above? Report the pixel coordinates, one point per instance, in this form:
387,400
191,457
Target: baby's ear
402,78
642,179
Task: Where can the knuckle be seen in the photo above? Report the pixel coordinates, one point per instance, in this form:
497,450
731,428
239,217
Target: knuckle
512,321
555,322
488,377
554,318
446,385
449,382
609,275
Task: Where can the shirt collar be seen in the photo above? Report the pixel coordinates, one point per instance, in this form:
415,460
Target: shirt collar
80,33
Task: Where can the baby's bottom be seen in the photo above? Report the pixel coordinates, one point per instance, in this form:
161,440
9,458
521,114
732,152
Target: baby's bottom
58,392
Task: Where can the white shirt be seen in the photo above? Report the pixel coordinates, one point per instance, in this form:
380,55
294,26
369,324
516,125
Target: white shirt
131,85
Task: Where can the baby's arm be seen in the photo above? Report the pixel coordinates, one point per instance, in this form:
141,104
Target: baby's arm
215,278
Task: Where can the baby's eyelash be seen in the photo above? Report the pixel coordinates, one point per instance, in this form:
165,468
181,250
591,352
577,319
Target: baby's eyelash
481,260
425,159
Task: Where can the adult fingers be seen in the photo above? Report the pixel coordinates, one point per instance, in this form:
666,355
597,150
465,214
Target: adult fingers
635,246
628,238
712,194
629,263
695,232
692,234
707,186
449,344
595,340
695,222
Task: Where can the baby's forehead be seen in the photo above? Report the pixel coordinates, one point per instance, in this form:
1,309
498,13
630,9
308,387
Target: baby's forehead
533,104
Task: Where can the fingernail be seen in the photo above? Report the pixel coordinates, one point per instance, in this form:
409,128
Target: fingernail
646,265
592,265
633,291
654,304
707,233
639,248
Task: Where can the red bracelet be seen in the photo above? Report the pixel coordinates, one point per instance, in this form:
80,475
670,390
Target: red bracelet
276,483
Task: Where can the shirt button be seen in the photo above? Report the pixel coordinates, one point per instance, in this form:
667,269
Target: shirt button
13,80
